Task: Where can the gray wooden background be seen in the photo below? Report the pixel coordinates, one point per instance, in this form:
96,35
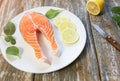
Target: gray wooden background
99,60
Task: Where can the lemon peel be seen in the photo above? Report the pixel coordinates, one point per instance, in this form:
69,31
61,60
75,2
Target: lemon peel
94,7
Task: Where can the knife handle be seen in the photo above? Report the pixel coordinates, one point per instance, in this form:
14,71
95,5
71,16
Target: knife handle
113,42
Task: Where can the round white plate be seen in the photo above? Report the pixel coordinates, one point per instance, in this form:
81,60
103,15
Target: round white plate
28,62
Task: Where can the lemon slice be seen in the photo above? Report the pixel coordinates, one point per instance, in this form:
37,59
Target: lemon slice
67,25
95,6
60,19
69,36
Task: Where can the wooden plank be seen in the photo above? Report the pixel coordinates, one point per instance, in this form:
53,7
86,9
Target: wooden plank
0,2
85,68
108,56
8,10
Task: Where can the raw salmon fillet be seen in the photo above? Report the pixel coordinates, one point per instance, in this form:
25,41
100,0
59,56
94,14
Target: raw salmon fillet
30,24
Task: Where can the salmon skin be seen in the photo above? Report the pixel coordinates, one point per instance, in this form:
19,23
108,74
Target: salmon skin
30,24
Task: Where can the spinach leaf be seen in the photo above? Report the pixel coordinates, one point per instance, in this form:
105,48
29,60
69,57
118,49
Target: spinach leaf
9,38
116,9
9,28
13,50
117,19
52,13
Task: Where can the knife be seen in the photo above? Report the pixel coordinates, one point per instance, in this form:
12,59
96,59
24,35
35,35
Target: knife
107,37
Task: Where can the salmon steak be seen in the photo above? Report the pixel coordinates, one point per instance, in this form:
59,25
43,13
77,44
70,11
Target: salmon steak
30,24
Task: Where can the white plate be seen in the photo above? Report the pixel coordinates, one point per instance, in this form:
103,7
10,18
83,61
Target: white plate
28,62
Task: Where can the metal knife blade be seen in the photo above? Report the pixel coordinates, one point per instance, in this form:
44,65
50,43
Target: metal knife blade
107,37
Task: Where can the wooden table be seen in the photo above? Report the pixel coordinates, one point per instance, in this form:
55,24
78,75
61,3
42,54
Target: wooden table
99,61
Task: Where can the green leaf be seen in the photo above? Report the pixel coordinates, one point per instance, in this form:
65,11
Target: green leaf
52,13
13,50
9,28
10,38
13,41
117,19
116,9
7,39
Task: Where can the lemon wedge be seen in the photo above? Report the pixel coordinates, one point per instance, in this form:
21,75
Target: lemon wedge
69,36
95,6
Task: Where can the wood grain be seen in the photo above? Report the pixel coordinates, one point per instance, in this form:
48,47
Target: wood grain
99,61
108,56
8,10
85,68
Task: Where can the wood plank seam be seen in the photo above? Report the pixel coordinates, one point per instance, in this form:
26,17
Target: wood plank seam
92,40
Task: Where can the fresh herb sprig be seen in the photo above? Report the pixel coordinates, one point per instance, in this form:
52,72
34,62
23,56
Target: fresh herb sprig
9,30
116,14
